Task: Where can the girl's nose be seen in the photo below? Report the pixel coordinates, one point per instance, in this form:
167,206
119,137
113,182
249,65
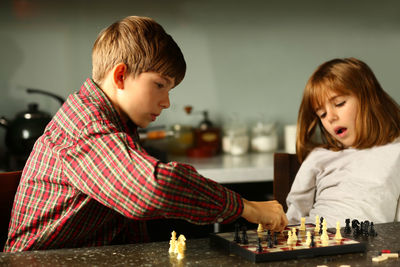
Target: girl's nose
332,116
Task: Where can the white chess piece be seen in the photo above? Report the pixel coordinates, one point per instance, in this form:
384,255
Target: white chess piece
303,224
338,235
317,227
308,240
260,228
294,236
324,236
289,240
181,246
172,243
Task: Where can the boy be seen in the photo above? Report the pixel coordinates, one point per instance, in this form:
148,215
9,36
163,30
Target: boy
88,182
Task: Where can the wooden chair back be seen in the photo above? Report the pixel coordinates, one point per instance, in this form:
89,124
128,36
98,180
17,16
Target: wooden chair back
8,187
285,169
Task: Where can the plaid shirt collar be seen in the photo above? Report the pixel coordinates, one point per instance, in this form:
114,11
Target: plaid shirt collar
94,92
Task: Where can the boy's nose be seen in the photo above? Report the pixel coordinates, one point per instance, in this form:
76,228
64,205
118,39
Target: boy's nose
165,103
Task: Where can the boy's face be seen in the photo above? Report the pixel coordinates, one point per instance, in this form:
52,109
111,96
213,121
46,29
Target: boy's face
144,97
338,116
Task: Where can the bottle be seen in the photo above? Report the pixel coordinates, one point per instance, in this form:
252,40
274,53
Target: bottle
207,139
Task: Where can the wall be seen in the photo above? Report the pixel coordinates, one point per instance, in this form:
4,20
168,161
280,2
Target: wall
249,59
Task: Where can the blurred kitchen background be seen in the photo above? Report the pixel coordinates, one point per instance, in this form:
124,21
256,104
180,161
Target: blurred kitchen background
247,61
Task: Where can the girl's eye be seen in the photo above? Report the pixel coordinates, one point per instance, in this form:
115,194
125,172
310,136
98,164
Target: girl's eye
341,104
322,115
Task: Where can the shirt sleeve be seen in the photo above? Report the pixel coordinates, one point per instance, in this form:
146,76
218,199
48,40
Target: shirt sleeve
109,167
301,197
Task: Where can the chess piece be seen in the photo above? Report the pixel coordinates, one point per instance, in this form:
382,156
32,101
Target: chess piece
260,228
270,243
365,229
289,240
321,220
181,246
317,226
308,239
312,244
259,246
237,237
182,239
294,236
355,224
172,243
347,229
303,224
245,240
275,238
372,231
338,235
324,236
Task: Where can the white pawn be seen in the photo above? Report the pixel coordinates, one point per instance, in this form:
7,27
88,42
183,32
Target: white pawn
317,227
294,236
338,235
289,240
260,228
181,246
308,240
303,224
172,243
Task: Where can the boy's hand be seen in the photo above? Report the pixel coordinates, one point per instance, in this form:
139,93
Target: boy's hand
269,213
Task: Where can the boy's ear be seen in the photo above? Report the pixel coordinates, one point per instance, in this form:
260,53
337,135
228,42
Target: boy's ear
119,75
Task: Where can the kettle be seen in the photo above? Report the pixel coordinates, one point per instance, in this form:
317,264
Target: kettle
27,126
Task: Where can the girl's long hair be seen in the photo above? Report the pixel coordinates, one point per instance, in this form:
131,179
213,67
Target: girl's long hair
378,116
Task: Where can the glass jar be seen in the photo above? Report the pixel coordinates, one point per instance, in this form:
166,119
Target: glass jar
181,140
264,137
235,140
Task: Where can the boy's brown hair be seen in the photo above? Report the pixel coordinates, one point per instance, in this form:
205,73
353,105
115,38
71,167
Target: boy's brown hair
378,116
142,45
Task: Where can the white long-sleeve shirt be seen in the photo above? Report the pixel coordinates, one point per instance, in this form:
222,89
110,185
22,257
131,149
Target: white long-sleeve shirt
356,184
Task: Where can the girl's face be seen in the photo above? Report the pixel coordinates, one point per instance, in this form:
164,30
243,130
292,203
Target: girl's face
338,116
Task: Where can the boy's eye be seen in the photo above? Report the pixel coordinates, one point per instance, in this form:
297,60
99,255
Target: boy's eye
159,85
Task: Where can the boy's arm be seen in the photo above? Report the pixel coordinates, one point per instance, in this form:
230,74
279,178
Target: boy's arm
108,168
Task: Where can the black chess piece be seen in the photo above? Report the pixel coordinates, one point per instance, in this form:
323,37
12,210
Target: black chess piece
312,244
321,220
270,243
347,229
245,239
354,223
237,237
372,231
259,245
365,229
275,238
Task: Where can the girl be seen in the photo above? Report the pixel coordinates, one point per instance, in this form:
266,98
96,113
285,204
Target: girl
348,143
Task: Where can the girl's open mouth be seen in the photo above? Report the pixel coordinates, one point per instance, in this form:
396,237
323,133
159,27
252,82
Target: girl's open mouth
340,131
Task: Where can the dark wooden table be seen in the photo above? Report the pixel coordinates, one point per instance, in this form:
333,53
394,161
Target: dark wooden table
198,253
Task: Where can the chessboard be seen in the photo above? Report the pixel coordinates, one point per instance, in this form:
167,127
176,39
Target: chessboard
275,248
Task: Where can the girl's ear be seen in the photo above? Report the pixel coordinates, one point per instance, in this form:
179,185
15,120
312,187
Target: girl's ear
119,75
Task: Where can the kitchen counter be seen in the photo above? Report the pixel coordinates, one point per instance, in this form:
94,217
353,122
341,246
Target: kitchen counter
198,253
224,169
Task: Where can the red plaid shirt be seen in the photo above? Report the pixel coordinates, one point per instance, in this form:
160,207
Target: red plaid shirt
88,182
